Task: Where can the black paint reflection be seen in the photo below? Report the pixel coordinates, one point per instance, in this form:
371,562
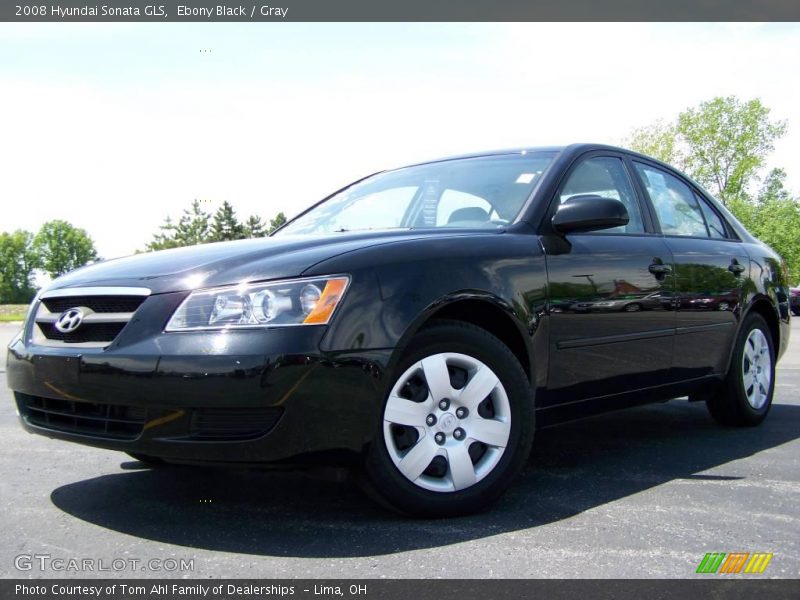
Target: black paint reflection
709,281
611,317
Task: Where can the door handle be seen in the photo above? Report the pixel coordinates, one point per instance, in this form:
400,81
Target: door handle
736,268
659,269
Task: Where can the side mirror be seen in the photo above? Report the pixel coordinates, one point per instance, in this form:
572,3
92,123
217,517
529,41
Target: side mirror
589,212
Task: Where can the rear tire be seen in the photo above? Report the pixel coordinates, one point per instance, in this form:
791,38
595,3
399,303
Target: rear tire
745,397
456,427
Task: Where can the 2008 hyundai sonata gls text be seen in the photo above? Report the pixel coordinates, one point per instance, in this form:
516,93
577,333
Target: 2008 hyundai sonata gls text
417,325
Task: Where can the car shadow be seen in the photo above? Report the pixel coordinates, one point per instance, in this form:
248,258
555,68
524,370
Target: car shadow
573,468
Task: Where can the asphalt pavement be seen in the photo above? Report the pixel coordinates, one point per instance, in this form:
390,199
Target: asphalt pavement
644,492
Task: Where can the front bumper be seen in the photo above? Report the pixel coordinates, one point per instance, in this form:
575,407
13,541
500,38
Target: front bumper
251,396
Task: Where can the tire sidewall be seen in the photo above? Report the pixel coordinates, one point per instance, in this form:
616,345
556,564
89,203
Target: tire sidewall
401,493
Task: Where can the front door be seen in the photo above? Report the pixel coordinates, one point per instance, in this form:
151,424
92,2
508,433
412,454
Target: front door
612,318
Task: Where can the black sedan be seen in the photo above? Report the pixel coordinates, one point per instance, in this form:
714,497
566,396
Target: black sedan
794,300
416,326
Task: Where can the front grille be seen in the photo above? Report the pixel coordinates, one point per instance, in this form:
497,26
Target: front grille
96,315
98,304
233,423
89,332
87,418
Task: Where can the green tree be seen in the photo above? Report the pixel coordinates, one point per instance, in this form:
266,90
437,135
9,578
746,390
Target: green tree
18,260
193,226
774,187
276,222
777,223
254,227
198,227
225,226
61,247
774,218
165,238
727,142
658,140
722,143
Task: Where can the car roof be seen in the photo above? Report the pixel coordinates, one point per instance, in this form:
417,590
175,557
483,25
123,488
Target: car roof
576,147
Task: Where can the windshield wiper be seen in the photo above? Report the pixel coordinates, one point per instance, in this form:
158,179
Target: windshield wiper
344,230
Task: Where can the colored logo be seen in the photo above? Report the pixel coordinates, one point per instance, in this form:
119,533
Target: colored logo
734,562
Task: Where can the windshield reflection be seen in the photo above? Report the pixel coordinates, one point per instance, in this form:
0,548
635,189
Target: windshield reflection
484,192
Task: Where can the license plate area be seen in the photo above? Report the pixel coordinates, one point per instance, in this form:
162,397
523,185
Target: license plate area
59,373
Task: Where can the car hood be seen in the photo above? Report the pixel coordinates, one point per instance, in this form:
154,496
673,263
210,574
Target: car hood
226,263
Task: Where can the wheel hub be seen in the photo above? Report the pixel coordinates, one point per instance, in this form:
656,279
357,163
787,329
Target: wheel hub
447,422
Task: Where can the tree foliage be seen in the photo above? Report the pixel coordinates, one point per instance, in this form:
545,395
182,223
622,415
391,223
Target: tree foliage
18,260
658,140
61,247
254,227
727,143
722,143
225,226
279,220
165,238
194,226
774,218
774,187
198,227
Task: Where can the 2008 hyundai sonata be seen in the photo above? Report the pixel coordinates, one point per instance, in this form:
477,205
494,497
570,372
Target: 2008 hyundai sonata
418,325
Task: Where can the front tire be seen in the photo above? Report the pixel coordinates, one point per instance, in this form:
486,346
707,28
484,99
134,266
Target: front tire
745,397
457,424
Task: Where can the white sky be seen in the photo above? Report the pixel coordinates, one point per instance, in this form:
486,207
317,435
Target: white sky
113,127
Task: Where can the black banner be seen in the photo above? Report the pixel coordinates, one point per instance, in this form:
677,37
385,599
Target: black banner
440,589
407,10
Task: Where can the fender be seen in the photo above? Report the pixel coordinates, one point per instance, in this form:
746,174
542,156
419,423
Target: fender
415,281
442,307
766,281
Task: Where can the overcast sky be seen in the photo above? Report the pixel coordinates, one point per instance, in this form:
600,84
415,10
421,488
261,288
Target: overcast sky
114,127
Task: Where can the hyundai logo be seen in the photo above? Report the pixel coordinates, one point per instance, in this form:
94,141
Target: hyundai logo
69,320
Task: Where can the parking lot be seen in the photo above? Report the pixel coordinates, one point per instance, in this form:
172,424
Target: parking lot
639,493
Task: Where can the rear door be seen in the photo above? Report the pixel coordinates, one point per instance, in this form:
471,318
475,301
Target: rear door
711,268
611,318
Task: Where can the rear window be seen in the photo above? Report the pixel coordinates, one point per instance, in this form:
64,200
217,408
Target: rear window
676,205
716,226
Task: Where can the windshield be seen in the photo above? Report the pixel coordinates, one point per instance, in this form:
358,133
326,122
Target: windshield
471,192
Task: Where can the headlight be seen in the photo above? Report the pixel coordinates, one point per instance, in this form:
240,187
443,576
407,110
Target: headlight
280,303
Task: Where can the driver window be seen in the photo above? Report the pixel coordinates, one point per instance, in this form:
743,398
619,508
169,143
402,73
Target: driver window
605,176
461,207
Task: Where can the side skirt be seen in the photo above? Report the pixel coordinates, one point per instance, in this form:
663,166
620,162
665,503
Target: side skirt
570,411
